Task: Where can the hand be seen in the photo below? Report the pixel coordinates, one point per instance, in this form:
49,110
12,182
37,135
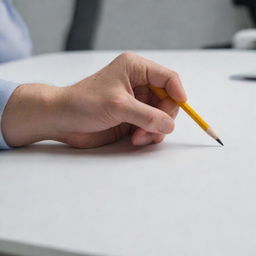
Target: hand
113,103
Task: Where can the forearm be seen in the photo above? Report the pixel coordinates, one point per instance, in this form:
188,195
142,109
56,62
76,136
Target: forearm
30,115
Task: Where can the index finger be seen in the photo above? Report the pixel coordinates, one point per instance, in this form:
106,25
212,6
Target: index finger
142,71
165,78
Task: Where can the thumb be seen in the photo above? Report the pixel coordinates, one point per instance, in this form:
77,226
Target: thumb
146,117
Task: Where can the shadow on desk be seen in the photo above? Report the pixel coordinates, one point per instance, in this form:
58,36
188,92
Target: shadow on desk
11,248
121,148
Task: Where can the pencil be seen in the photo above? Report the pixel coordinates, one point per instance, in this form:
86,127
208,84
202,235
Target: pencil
162,94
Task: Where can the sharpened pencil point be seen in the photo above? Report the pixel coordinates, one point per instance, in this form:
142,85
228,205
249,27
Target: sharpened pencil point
220,142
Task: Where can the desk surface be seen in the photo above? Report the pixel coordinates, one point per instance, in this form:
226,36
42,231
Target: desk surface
186,196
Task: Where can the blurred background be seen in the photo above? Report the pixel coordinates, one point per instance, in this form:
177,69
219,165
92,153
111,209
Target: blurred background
57,25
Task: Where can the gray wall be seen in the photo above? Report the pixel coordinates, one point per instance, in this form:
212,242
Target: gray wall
48,22
133,24
168,23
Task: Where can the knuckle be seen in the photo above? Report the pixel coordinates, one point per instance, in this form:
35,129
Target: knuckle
118,102
124,59
127,56
115,107
175,74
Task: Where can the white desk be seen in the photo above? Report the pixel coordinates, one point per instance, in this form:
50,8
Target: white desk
186,196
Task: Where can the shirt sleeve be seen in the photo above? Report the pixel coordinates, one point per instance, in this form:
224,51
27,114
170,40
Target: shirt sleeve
6,90
15,42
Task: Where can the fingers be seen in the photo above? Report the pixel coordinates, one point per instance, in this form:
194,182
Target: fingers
169,107
143,71
141,137
96,139
144,116
162,77
90,140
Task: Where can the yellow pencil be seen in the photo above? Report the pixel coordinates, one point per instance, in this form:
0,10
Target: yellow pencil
162,94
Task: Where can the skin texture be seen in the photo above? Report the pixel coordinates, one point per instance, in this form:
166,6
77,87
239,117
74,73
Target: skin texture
101,109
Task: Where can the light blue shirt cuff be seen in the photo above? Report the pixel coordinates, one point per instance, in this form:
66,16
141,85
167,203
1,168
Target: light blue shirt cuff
6,90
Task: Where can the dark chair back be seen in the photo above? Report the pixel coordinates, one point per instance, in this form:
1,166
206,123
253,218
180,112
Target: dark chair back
251,6
84,25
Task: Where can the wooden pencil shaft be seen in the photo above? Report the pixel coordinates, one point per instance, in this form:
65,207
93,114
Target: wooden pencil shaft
162,94
192,113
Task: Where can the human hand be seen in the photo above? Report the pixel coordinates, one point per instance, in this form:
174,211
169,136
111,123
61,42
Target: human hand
113,103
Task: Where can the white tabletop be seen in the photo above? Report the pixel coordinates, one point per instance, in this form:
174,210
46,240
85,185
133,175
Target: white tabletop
186,196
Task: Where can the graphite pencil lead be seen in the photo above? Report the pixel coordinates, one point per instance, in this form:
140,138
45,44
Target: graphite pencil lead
220,141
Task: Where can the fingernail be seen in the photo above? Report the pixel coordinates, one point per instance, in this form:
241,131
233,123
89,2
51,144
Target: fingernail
166,126
143,140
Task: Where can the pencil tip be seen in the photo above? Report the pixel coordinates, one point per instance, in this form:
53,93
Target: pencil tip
220,142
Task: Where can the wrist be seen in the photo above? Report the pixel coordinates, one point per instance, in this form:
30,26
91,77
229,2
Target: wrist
30,114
